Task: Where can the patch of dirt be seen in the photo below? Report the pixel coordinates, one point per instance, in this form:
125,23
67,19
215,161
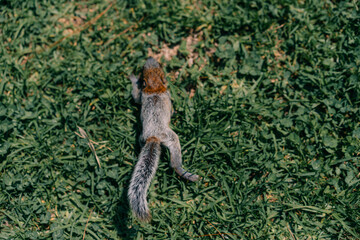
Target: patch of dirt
165,51
191,43
70,24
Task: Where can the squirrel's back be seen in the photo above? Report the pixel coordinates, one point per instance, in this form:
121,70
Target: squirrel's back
155,113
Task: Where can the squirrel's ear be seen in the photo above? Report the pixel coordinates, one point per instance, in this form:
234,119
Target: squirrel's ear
163,78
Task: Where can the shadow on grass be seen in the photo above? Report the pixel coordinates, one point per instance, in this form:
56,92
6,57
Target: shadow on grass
121,218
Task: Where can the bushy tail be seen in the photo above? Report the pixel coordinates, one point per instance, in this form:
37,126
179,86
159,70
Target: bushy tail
140,181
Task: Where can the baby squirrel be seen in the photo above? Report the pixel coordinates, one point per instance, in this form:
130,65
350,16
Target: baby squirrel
156,110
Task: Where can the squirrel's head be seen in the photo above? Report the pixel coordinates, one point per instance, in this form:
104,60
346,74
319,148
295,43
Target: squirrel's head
154,77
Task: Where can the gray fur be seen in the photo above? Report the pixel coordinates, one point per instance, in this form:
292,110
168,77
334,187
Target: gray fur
136,93
140,181
156,111
151,63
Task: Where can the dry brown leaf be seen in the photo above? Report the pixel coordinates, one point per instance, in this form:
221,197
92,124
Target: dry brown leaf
192,93
235,84
222,90
90,143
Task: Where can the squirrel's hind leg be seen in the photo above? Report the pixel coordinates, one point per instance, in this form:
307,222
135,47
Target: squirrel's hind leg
172,142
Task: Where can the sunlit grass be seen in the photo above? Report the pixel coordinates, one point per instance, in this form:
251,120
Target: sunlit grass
266,100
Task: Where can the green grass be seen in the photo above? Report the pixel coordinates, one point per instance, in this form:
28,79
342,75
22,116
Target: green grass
266,107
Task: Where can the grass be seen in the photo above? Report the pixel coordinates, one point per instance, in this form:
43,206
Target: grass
266,97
